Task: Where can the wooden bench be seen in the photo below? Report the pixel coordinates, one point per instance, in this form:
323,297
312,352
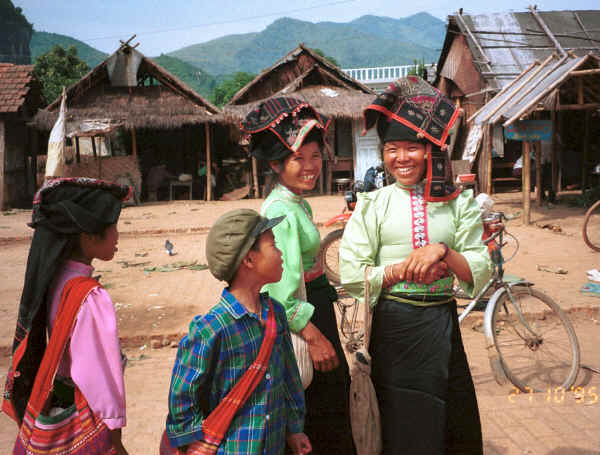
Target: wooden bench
502,180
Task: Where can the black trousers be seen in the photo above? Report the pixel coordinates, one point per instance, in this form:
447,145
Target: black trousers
423,383
327,421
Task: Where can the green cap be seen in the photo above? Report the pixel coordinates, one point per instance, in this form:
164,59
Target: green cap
230,239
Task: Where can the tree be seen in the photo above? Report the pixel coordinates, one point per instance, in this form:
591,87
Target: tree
223,92
329,58
59,68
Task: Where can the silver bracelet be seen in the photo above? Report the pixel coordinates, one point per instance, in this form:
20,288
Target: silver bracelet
385,275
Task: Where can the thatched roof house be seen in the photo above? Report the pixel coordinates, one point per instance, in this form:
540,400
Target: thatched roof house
20,97
131,89
165,121
306,75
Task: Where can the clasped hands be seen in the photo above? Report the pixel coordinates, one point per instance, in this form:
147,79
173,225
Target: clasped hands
423,266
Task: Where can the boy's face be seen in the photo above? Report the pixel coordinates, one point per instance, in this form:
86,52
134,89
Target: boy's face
267,259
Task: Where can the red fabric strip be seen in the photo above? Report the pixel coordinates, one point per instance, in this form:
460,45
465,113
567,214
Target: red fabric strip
216,424
73,295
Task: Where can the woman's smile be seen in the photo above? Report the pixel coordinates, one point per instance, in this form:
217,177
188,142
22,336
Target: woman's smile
405,160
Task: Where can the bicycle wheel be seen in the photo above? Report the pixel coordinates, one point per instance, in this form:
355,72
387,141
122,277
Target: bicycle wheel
329,255
548,357
591,227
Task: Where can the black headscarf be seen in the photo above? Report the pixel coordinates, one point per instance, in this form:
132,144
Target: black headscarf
62,208
410,109
279,127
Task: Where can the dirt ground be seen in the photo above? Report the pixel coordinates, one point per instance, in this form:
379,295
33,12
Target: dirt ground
154,307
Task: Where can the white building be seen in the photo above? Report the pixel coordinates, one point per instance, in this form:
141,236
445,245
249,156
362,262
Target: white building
379,78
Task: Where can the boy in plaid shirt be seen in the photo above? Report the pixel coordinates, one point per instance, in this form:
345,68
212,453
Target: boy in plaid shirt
221,346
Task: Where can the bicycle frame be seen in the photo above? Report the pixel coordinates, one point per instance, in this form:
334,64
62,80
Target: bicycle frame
497,281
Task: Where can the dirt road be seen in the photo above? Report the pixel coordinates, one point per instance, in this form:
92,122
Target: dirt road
154,307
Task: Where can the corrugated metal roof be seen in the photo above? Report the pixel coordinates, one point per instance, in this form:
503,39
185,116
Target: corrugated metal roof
510,42
529,89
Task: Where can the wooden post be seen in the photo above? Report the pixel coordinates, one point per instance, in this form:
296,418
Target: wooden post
321,182
2,157
489,141
330,141
98,156
329,176
255,178
539,192
526,180
77,151
208,163
133,142
34,152
586,149
555,151
93,146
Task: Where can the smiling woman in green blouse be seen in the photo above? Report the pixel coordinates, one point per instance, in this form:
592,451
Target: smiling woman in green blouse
416,235
288,134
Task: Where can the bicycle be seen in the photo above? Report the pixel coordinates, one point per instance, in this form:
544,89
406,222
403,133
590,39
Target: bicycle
591,227
330,245
531,341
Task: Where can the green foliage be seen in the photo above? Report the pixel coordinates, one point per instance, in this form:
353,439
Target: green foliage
57,69
326,57
223,92
42,43
198,80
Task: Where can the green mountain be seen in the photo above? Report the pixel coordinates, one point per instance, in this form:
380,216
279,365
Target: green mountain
420,28
201,82
220,55
363,42
42,42
366,41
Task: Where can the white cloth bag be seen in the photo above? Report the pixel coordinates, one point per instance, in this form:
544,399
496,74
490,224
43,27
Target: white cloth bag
305,364
364,409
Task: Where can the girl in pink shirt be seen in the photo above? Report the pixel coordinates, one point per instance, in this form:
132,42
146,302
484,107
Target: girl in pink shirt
75,222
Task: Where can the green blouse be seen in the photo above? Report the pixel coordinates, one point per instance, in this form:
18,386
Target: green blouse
298,240
382,232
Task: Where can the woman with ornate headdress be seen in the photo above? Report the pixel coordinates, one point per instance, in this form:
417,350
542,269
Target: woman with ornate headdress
288,134
412,238
66,354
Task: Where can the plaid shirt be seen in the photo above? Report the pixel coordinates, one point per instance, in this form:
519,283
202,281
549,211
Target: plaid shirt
218,350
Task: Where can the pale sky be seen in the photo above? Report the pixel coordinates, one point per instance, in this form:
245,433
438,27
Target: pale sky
163,27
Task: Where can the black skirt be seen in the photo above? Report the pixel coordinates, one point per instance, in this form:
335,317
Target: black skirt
327,421
422,379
